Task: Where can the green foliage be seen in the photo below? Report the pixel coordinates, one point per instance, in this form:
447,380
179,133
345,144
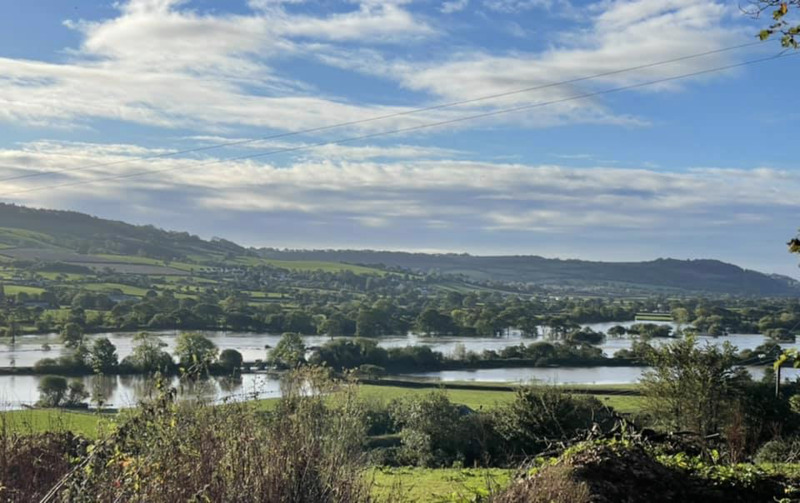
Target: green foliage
74,362
688,386
52,391
781,24
585,336
307,449
148,355
55,391
650,330
782,450
430,321
72,335
230,360
539,417
289,352
195,352
103,356
435,431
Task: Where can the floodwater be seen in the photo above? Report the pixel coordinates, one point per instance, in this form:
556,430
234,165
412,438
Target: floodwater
29,349
126,391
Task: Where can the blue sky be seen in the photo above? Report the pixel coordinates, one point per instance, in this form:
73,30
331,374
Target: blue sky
703,167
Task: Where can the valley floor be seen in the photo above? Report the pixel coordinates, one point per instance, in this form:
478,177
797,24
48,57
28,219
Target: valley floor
90,424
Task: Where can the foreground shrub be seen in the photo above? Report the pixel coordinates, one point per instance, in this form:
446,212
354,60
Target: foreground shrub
625,472
785,450
436,432
542,417
30,465
308,449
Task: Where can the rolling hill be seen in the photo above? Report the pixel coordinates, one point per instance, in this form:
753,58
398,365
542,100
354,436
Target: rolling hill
65,236
662,275
23,227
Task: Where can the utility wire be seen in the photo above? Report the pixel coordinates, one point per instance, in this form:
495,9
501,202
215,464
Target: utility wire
414,128
384,117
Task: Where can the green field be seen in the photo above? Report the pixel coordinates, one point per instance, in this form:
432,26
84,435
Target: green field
309,265
29,421
442,484
71,276
12,237
39,420
15,289
105,287
474,399
130,259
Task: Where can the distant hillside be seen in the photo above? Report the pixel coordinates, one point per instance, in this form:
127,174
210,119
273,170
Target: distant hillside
35,228
23,230
710,276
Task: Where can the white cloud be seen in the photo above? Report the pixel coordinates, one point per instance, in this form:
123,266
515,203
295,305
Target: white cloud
514,6
453,6
379,21
619,34
162,64
433,193
329,151
625,34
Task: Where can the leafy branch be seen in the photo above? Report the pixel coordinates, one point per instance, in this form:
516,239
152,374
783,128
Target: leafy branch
781,24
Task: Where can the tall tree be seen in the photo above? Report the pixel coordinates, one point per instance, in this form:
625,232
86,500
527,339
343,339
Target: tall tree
688,386
289,352
195,351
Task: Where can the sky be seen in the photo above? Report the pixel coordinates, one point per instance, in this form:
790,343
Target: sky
294,124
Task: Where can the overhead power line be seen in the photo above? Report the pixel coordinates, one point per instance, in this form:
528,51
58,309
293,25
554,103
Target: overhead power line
409,129
386,116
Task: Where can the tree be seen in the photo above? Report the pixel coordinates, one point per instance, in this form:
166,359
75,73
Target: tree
52,391
349,353
147,355
689,387
72,335
208,312
230,360
369,323
431,321
333,325
55,391
103,356
76,394
289,352
195,351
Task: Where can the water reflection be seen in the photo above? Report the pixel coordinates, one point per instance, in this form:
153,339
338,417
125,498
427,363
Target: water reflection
103,387
565,375
126,391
